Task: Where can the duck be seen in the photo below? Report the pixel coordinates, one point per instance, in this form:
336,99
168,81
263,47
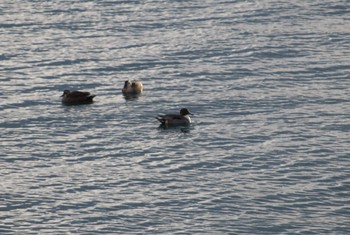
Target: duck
132,87
76,97
175,119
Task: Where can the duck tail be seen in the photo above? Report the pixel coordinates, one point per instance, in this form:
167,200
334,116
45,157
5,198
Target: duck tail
90,97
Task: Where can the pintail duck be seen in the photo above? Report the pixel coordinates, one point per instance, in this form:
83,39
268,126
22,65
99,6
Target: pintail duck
132,88
175,119
77,97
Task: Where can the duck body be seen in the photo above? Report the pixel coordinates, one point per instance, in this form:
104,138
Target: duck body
132,87
175,119
77,97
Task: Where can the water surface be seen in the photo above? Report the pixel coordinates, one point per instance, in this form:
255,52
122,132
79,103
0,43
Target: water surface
267,153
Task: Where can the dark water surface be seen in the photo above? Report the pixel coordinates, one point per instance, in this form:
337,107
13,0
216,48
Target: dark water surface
268,151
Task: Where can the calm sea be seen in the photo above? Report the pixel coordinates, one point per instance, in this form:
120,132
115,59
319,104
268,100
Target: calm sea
268,82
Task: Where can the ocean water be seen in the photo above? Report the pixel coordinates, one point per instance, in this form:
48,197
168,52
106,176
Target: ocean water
268,150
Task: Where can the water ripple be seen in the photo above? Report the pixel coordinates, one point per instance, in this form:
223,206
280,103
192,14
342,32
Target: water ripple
268,85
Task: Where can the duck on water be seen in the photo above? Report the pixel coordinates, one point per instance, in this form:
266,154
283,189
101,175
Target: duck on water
175,119
132,87
77,97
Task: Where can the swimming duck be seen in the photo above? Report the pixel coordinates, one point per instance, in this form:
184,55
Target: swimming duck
175,119
132,88
77,97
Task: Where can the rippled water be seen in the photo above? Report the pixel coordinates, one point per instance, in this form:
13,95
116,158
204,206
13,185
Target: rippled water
268,82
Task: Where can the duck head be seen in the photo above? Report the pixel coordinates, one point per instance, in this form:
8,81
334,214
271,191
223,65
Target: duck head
127,84
185,111
65,92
